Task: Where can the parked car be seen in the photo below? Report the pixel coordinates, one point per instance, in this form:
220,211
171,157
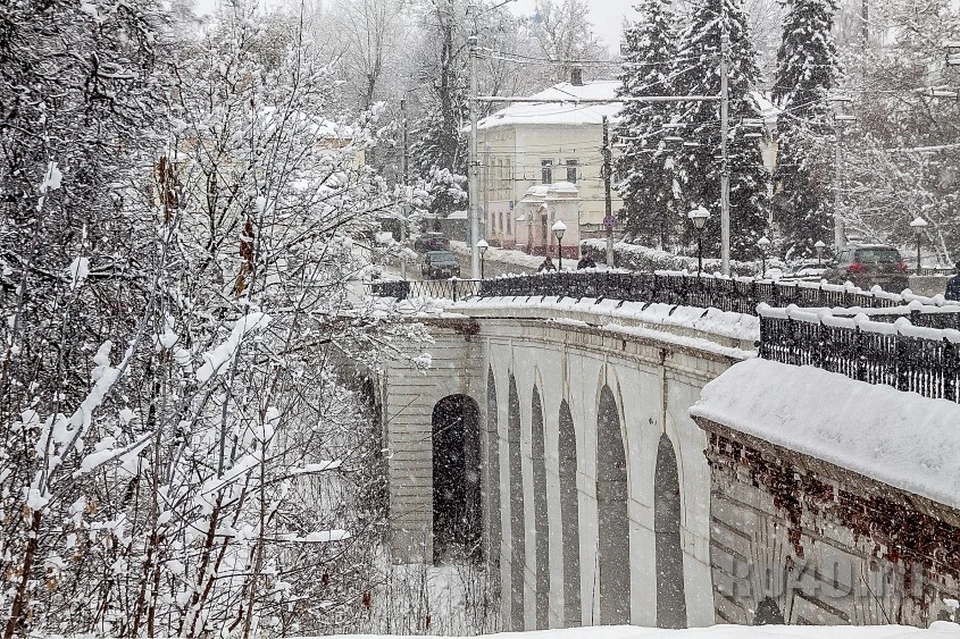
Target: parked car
440,264
431,241
868,265
808,272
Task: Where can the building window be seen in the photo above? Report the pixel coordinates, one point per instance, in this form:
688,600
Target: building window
572,170
546,171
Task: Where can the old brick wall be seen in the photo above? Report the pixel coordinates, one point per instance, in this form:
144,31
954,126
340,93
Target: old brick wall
797,540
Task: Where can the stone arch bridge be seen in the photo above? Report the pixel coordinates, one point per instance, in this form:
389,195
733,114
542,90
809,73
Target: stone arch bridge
556,442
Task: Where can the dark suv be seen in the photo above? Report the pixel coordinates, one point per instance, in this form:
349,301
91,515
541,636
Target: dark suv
867,265
431,241
440,264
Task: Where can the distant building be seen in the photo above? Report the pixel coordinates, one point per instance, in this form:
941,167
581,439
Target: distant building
554,142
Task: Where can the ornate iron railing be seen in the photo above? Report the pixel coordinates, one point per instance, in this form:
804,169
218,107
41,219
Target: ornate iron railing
452,289
726,294
906,357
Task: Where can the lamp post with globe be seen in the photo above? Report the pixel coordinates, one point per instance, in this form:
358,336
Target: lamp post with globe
919,225
699,217
558,229
482,247
764,244
819,246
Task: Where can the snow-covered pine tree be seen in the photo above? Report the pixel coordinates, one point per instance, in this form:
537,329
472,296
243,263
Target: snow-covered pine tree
699,166
807,69
646,161
439,152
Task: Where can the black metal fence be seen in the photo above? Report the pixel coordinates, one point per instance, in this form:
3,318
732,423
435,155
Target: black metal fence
453,289
930,367
881,354
926,316
741,296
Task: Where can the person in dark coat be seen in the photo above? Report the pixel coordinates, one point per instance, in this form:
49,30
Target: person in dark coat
953,286
586,262
547,265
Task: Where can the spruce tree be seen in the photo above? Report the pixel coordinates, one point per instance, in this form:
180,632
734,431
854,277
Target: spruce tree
700,166
646,161
806,72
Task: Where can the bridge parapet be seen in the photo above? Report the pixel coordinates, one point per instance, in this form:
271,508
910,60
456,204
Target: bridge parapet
720,332
908,357
739,295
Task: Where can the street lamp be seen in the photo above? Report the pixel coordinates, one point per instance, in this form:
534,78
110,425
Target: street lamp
819,246
482,246
699,217
919,225
764,244
558,229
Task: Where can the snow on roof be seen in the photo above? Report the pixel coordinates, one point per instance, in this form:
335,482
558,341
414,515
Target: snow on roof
567,112
564,187
901,439
767,110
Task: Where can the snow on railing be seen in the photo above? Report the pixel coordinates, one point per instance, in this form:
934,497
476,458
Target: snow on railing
908,357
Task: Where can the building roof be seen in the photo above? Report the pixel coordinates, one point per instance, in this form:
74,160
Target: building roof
562,107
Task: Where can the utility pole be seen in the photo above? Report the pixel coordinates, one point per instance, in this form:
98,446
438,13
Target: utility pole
725,160
404,170
608,221
473,218
486,194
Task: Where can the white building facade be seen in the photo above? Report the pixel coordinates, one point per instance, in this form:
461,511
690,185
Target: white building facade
539,144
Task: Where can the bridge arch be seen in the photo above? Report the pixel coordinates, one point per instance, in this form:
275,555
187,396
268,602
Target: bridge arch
569,517
517,525
613,547
492,486
457,518
667,512
541,519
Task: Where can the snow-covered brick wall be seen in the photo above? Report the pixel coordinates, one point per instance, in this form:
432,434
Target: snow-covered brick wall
832,501
902,439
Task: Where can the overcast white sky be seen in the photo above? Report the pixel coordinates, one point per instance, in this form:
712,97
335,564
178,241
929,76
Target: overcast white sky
606,15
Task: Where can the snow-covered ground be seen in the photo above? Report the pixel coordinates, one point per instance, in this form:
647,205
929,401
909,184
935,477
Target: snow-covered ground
938,630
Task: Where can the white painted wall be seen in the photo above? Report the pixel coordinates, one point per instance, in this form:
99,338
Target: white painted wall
654,384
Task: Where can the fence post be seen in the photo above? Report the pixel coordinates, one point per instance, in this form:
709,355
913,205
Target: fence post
903,362
861,372
951,370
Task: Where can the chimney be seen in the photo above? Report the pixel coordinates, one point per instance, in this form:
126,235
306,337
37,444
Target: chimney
576,76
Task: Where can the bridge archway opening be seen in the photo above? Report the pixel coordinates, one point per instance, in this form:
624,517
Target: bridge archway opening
493,484
671,600
517,524
768,613
540,511
614,528
569,518
457,518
